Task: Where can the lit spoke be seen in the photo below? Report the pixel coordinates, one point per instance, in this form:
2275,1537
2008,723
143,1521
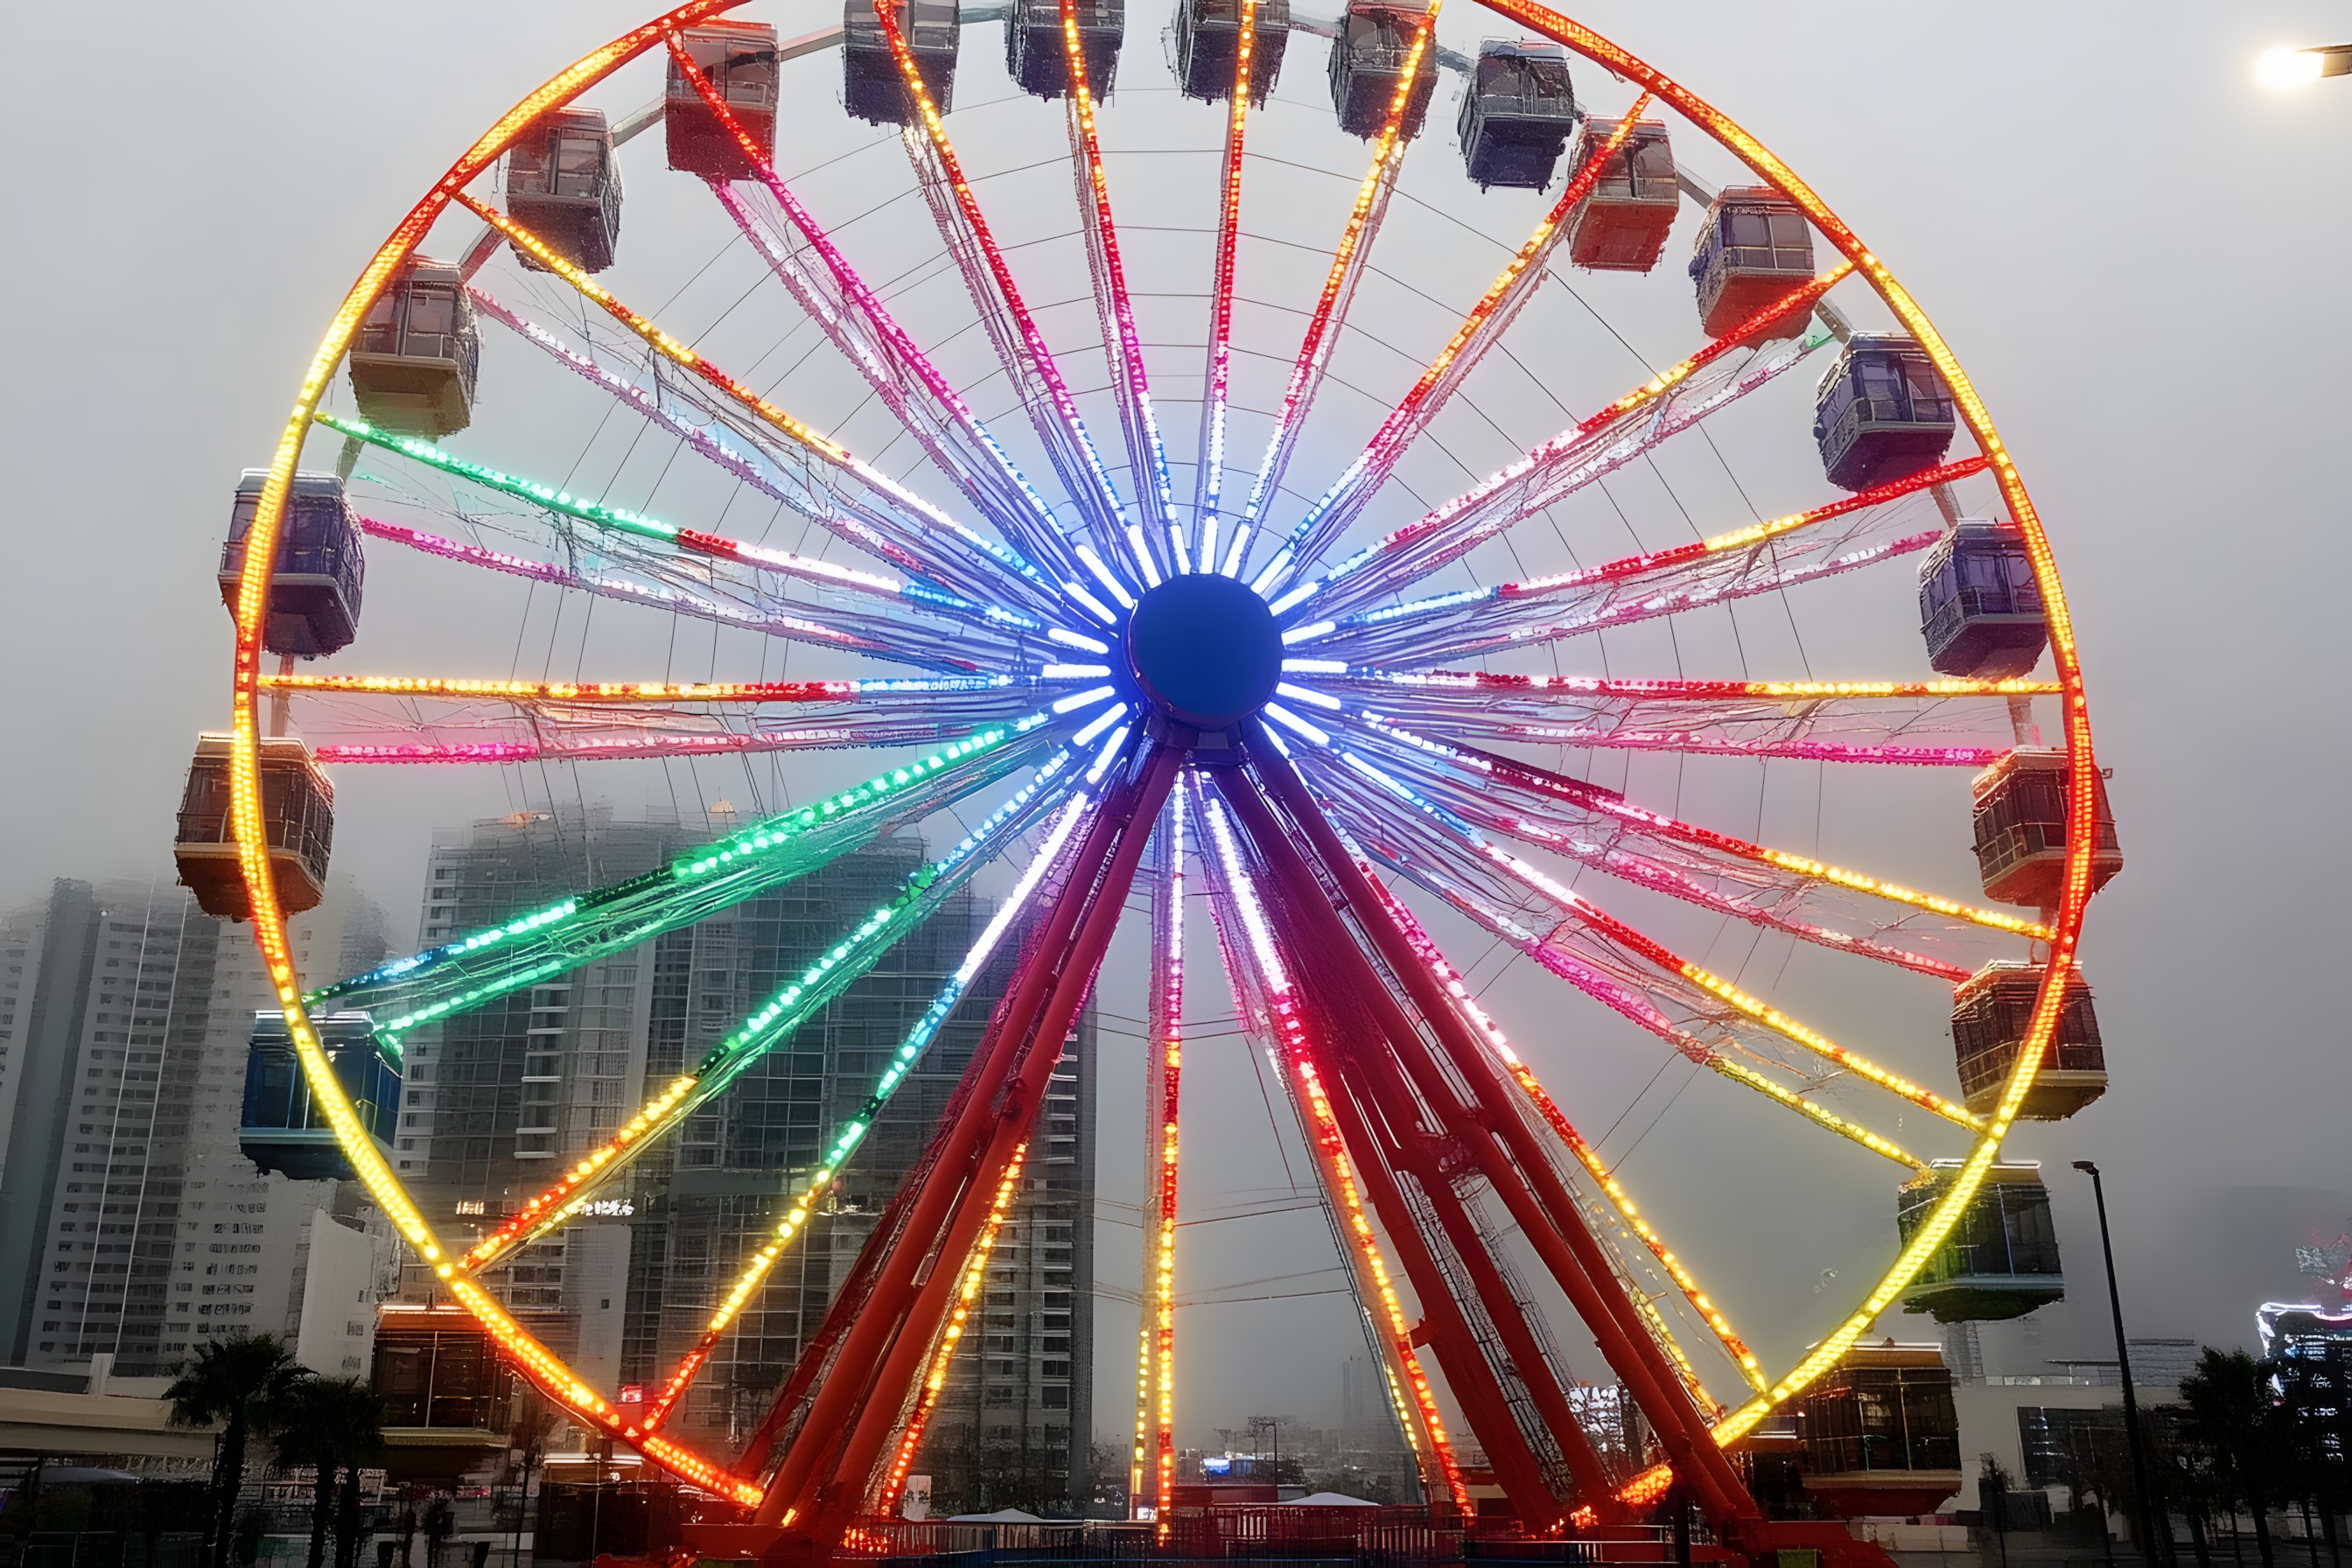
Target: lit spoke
1155,1416
1209,475
1636,424
1347,265
1484,327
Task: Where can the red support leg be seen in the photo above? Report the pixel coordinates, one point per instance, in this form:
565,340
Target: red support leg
1332,967
1526,1180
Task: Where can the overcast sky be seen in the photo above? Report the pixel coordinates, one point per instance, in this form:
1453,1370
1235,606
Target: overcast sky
2138,255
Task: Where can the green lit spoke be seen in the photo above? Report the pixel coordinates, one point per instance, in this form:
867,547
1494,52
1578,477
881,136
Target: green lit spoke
458,976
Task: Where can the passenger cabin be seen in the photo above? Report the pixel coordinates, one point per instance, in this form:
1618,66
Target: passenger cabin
314,588
1367,63
872,85
1882,413
1990,1010
1208,34
1754,249
1037,58
282,1129
1517,114
2021,829
1980,607
413,362
1621,225
1882,1435
739,60
563,185
2000,1261
297,816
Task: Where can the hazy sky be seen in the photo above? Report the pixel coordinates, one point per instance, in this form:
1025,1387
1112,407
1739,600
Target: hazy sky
2137,254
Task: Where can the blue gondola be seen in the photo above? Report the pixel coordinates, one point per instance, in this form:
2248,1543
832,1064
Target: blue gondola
1980,607
873,89
563,185
1881,414
1207,34
281,1129
1516,115
739,60
1368,61
414,361
2001,1261
1753,249
1991,1011
1035,55
314,590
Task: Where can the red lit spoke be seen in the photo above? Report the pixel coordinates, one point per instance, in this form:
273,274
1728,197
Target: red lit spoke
1208,478
1155,1429
1485,325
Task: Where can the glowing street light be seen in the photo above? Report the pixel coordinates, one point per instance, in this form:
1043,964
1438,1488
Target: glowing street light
2283,68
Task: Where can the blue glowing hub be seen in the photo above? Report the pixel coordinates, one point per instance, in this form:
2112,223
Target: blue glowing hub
1204,649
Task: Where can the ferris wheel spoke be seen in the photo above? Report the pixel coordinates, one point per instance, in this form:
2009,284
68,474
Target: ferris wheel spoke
1163,1076
1130,382
802,438
1209,464
1834,538
854,318
1628,1217
468,972
1635,424
815,988
1029,364
894,525
847,1137
1254,970
1594,824
1481,328
1607,928
702,603
1949,723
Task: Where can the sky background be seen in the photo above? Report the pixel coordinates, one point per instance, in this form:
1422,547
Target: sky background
2137,254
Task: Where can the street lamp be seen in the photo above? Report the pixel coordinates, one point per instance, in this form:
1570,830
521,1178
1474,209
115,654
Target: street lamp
2147,1511
2293,68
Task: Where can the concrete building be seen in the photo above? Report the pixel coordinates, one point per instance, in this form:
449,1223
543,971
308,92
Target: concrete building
499,1101
131,1226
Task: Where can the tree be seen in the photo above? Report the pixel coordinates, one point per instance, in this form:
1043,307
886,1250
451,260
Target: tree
1993,1500
2232,1415
330,1423
242,1385
533,1431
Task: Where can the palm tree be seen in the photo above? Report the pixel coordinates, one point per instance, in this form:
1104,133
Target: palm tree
241,1384
2232,1414
330,1423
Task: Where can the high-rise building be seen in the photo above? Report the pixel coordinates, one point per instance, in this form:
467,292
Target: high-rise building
500,1101
131,1225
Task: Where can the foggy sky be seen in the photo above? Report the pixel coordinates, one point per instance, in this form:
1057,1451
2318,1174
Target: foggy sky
2138,256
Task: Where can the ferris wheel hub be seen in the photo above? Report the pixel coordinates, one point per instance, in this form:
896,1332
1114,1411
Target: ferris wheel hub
1204,649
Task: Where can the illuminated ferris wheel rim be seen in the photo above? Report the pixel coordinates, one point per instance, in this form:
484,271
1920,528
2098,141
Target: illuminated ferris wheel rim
251,606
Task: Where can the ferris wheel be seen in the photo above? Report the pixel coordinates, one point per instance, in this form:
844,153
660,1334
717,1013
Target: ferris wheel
1307,544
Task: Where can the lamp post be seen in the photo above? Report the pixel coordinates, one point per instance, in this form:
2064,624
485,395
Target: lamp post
2148,1511
2293,68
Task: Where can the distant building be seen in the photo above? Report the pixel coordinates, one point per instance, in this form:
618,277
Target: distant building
131,1226
499,1099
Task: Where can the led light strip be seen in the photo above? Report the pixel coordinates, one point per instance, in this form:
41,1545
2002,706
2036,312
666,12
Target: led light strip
1167,1051
1209,482
847,1137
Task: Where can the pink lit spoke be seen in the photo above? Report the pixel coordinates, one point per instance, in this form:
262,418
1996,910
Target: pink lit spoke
1481,328
1347,271
1208,478
1131,385
1725,371
1802,547
890,524
1957,723
1021,348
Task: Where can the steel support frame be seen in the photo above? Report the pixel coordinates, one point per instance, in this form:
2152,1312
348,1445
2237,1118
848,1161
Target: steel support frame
1514,1162
1372,1085
827,1469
